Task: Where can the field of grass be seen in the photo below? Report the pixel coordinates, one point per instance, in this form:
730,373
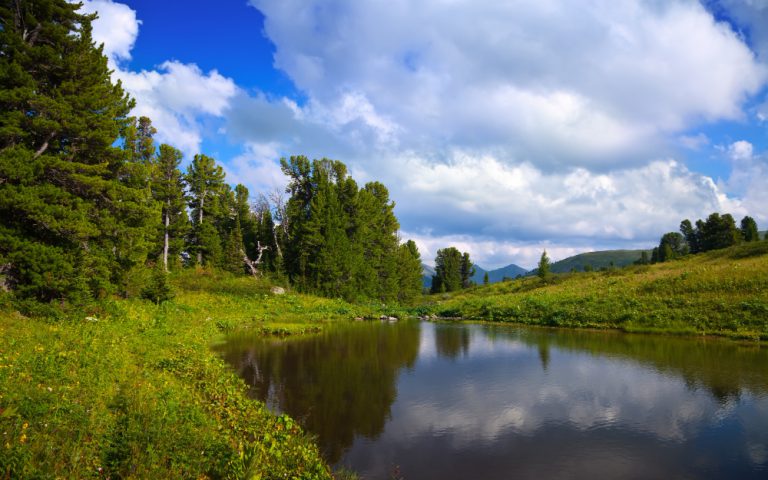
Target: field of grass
721,292
129,389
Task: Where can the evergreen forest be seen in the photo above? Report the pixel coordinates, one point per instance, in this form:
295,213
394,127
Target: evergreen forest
90,204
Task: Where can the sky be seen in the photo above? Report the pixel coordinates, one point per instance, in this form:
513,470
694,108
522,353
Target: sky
501,128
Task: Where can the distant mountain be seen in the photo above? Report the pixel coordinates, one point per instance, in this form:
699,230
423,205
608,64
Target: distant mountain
597,260
497,275
426,275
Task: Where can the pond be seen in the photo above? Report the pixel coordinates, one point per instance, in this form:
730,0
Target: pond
422,400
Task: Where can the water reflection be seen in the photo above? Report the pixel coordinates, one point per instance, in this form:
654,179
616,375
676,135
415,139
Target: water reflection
490,401
339,384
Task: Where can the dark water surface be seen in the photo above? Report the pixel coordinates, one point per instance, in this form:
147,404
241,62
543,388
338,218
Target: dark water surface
455,401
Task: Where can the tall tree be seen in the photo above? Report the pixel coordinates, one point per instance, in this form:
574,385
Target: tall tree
692,236
544,266
205,181
168,190
719,232
749,231
447,277
467,271
672,245
69,223
409,272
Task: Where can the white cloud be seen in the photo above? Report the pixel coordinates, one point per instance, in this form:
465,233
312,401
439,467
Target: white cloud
477,201
595,83
740,150
177,97
501,128
116,27
257,168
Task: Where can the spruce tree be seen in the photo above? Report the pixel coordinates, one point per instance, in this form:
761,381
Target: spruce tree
544,267
467,271
168,191
205,181
749,232
70,223
409,272
448,275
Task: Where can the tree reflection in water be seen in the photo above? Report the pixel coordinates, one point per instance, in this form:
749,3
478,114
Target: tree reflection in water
338,384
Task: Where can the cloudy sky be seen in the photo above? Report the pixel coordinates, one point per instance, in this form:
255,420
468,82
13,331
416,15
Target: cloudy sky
502,128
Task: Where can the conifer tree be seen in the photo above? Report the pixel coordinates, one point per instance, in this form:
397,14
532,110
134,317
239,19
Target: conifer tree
205,181
168,191
409,272
749,229
448,275
70,223
467,271
544,267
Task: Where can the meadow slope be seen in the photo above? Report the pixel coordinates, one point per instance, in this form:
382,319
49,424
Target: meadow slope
722,292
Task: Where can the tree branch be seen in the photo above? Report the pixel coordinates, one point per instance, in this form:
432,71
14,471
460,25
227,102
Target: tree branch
44,147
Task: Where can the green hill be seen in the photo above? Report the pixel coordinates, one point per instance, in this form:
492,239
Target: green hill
499,274
597,260
722,292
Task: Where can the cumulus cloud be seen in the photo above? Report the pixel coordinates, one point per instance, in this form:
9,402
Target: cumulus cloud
177,97
496,210
592,84
116,28
502,128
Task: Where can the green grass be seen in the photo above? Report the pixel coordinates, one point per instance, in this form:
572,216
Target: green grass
718,293
128,389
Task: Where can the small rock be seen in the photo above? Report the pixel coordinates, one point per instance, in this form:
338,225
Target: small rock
278,291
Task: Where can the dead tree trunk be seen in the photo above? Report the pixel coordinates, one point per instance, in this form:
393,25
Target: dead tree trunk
253,265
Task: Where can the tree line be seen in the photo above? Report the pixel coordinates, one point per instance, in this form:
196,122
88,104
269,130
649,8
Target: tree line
88,199
716,232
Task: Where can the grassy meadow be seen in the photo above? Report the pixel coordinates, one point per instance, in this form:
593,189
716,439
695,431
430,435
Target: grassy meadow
129,389
722,292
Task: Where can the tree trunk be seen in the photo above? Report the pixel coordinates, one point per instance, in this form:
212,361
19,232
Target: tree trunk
200,222
165,240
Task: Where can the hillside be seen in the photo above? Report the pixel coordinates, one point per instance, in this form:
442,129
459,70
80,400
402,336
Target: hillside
129,389
426,275
597,260
722,292
497,275
494,276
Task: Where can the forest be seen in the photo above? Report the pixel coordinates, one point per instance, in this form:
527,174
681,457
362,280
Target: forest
90,205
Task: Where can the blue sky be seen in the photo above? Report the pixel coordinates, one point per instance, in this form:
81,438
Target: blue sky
502,128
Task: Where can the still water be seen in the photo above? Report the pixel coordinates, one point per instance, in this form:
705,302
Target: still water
455,401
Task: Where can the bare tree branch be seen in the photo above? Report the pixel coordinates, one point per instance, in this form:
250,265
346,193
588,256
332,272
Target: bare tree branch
44,147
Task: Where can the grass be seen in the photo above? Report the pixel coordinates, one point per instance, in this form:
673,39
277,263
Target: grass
721,292
129,389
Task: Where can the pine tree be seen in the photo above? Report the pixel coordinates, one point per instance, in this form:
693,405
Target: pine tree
448,275
749,230
544,267
168,191
692,236
485,279
409,272
467,271
70,222
205,181
233,255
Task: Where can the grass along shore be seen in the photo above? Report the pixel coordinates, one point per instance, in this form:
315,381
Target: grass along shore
722,292
129,389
